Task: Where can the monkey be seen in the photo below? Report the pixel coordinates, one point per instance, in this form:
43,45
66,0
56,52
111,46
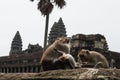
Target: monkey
92,59
49,58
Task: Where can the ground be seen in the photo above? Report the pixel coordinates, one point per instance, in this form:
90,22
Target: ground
70,74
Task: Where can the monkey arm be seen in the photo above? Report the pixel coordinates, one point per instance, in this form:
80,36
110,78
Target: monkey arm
72,61
58,51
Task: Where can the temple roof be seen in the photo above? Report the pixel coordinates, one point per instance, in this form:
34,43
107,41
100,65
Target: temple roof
88,37
24,56
60,21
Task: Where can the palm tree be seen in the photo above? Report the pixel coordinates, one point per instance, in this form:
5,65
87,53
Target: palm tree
46,7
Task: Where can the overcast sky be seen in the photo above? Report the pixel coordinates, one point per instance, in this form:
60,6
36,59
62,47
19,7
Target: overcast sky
79,16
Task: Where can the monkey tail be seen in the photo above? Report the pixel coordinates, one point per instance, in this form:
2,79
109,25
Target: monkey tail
98,65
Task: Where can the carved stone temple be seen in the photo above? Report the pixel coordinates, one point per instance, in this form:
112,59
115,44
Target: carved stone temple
19,60
27,61
58,29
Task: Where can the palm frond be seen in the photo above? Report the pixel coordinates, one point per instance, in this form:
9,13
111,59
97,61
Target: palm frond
60,3
45,7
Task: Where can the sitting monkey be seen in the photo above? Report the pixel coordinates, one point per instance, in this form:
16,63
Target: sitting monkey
49,57
92,59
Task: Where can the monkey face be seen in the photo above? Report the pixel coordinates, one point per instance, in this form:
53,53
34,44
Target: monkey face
62,40
84,55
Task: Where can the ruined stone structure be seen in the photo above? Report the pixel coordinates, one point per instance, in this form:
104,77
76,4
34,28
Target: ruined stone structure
20,60
89,41
58,29
28,60
21,63
33,48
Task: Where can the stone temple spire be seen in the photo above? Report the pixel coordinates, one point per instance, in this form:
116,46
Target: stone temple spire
58,29
16,46
60,21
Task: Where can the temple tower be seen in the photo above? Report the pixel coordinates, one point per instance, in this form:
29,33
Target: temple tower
16,45
58,29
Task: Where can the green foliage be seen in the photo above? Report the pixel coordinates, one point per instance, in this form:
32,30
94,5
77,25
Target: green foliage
46,6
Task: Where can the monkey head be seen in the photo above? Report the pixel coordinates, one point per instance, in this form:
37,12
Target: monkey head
63,44
61,40
83,55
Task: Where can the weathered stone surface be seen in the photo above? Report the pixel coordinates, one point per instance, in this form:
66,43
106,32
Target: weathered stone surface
73,74
15,76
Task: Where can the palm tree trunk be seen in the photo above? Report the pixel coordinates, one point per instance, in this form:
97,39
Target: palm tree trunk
46,31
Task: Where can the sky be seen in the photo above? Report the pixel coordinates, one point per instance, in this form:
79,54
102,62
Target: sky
79,17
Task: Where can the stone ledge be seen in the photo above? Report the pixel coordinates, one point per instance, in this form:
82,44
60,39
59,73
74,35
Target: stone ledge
73,74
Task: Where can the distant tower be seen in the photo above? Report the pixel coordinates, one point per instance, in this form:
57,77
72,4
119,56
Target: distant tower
57,30
16,46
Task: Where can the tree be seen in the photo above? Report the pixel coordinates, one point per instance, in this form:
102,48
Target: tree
46,7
